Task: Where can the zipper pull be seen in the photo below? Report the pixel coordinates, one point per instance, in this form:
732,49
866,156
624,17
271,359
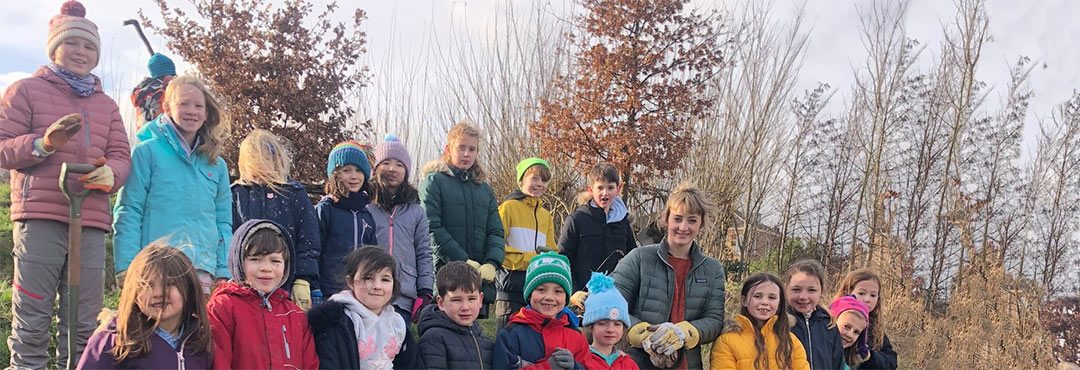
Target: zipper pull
285,338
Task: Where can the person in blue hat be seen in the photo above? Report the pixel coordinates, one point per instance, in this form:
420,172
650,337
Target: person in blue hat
147,95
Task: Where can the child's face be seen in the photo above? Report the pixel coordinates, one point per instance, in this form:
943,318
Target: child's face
682,227
76,54
763,301
604,193
461,306
264,273
533,185
352,177
850,324
187,110
548,299
164,304
463,151
607,332
803,292
373,290
867,291
391,171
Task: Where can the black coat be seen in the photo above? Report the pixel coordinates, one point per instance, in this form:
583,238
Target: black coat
335,341
822,343
446,345
884,359
592,244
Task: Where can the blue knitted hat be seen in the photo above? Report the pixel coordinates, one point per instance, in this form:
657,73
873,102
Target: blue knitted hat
348,152
161,65
604,302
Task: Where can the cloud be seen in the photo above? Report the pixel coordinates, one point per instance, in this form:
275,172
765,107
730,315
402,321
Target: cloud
10,78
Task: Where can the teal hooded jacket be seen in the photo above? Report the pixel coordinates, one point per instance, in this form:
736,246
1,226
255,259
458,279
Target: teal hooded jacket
173,194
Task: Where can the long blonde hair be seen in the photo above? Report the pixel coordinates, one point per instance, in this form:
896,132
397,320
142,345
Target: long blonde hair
169,266
216,129
876,322
264,160
457,131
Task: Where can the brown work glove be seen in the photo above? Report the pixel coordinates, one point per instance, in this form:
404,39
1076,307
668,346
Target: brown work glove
101,178
61,131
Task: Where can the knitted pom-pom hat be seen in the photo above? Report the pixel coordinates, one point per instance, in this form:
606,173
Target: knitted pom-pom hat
548,267
392,148
604,302
348,152
71,22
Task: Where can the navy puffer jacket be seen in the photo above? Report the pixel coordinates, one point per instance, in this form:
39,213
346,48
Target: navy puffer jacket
291,208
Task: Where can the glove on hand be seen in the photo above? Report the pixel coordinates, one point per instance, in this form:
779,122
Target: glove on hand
301,294
693,337
667,338
423,299
578,299
61,131
561,359
316,297
475,265
638,333
487,272
101,178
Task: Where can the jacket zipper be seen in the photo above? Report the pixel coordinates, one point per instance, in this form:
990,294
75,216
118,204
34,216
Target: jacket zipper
391,244
809,340
536,226
180,355
86,135
355,239
285,338
478,353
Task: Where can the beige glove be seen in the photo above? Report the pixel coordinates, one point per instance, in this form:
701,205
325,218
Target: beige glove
666,338
301,294
101,178
638,333
693,337
487,272
475,265
578,299
61,131
659,360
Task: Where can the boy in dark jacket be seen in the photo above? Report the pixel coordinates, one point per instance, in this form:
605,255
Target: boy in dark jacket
450,337
543,335
598,234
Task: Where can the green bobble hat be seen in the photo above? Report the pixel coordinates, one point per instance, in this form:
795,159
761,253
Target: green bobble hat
548,267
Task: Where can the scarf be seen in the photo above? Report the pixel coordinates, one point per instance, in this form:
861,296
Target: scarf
353,202
378,337
82,86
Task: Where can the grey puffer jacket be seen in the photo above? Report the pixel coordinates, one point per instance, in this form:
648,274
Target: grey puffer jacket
410,244
646,279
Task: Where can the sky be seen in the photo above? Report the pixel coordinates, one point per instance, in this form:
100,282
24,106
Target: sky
1043,30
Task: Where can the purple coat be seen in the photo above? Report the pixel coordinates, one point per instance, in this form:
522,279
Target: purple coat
98,354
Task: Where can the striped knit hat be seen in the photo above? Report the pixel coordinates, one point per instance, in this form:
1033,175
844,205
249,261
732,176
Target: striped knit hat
348,152
71,22
547,267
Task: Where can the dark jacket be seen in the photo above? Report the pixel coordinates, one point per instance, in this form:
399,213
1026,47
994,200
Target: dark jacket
335,341
822,343
884,359
342,231
530,338
98,353
647,280
446,345
291,208
593,244
464,218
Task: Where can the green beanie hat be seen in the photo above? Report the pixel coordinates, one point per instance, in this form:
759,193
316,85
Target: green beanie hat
548,267
529,162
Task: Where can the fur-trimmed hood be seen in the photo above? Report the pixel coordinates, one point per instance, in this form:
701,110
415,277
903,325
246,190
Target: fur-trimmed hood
474,173
738,322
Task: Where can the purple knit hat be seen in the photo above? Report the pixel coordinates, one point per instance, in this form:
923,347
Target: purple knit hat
391,147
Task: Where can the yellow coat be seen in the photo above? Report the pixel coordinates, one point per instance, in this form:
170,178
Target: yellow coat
735,349
527,224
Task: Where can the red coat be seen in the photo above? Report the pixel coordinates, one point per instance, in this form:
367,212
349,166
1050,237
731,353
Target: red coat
623,362
532,337
27,108
247,335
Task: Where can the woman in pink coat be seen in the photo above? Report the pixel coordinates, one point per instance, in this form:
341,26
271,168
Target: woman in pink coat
57,115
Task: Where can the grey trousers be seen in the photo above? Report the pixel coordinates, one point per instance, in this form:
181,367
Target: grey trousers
40,258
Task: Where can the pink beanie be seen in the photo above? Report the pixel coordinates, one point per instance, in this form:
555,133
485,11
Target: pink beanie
391,147
71,22
848,303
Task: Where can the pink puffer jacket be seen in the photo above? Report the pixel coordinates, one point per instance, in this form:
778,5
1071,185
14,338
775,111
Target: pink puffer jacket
27,108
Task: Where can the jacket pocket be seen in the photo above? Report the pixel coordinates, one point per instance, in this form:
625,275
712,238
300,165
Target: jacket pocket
24,194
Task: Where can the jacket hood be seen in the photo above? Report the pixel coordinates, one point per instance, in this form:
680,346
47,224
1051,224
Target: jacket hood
432,317
326,315
240,237
439,165
617,212
529,200
819,314
743,324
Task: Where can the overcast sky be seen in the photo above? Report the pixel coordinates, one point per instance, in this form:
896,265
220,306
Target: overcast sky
1044,30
